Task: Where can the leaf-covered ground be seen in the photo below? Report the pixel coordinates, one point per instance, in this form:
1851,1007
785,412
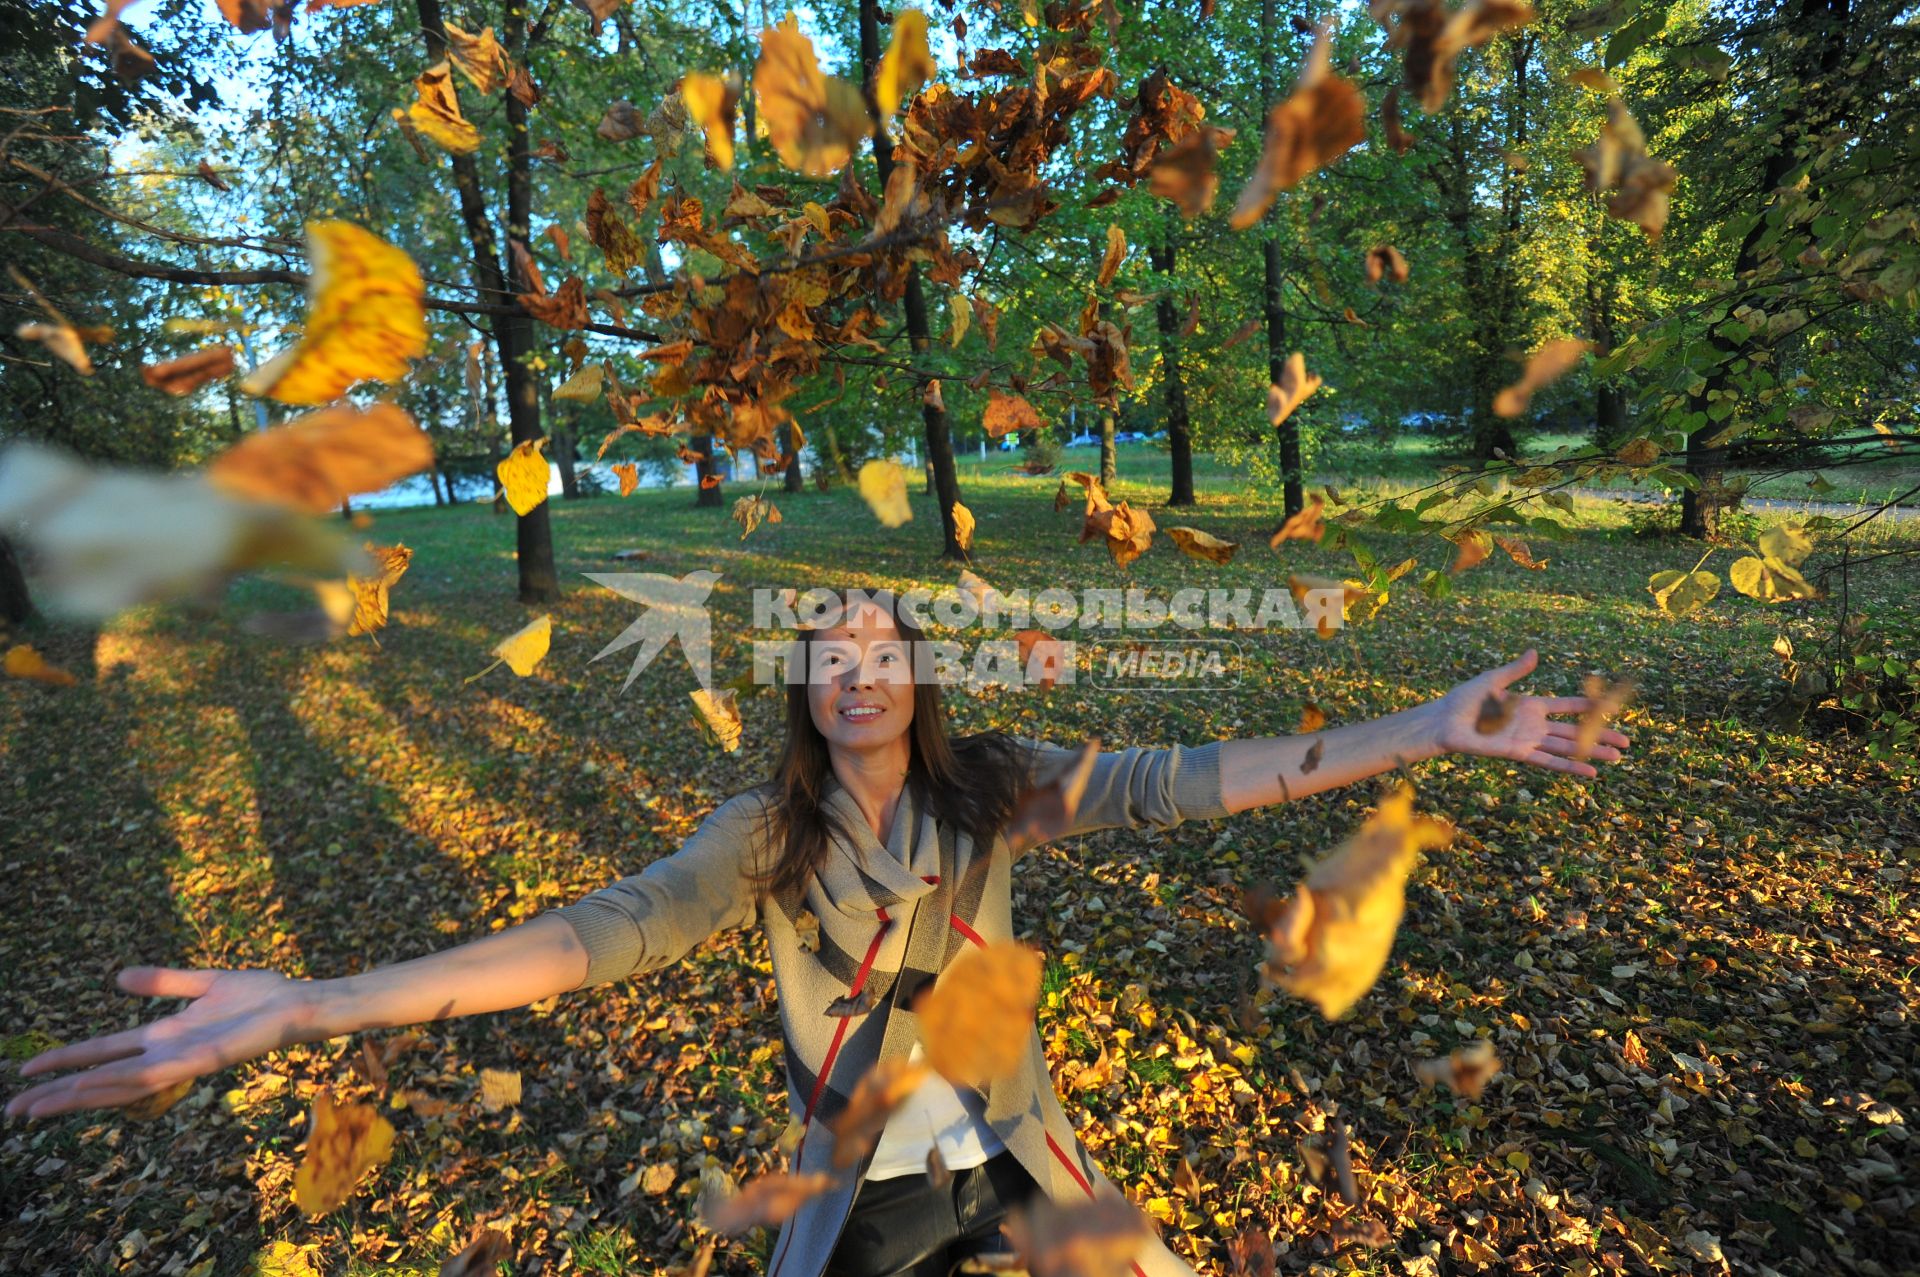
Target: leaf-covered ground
1700,969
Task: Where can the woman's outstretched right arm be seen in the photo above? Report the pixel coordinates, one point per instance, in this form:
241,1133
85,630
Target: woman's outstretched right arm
238,1015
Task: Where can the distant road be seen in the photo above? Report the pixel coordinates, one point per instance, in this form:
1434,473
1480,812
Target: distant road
1835,509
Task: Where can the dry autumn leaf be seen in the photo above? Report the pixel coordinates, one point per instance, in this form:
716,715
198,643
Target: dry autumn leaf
1295,385
1554,360
1472,547
1323,119
343,1143
1465,1072
1186,173
1116,253
963,525
718,714
907,64
523,649
1047,810
499,1089
1042,657
875,1096
1618,162
477,57
1007,413
1432,39
815,121
63,339
436,111
1307,525
1203,545
1385,262
316,462
524,475
762,1202
883,486
366,319
1099,1236
370,592
482,1256
977,1019
1331,941
628,472
1608,700
188,373
711,101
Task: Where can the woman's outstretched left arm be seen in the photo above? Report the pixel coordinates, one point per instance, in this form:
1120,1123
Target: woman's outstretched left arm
1275,769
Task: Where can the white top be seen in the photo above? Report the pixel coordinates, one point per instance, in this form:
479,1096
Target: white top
938,1112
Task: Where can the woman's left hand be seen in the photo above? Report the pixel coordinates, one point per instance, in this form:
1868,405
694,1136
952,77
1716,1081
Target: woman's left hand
1530,733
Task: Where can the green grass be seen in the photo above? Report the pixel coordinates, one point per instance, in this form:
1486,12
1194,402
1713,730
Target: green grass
205,797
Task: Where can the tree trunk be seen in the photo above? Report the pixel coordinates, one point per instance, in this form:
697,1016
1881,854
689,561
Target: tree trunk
1272,302
1498,308
16,604
939,436
435,477
706,494
1179,433
794,481
512,334
1109,470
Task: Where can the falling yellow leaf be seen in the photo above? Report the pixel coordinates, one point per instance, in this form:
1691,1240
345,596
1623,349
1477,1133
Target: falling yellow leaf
1331,940
963,526
815,121
436,111
883,486
584,386
370,593
524,475
628,473
523,649
1608,699
366,319
719,717
906,65
343,1143
499,1088
1307,524
710,102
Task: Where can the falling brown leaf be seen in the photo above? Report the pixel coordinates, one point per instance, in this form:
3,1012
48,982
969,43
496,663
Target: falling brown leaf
482,1256
1608,699
343,1143
1433,38
1186,172
1492,716
1007,413
880,1091
1203,545
815,121
1116,253
23,660
1047,810
477,57
1243,332
188,373
319,460
1307,525
1323,119
1517,551
435,111
1295,385
1331,942
978,1018
1466,1071
1473,546
1099,1236
1545,366
1397,136
1385,262
762,1202
1312,719
1617,161
711,101
1042,657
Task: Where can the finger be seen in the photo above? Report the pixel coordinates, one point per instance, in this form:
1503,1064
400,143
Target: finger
1515,670
1554,763
1564,704
101,1050
166,982
1567,746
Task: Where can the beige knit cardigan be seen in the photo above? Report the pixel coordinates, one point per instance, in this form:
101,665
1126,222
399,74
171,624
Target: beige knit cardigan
890,918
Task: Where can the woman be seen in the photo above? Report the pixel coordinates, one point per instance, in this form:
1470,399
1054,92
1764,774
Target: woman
873,858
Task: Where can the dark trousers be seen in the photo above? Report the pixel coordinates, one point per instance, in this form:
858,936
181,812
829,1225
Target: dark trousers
905,1227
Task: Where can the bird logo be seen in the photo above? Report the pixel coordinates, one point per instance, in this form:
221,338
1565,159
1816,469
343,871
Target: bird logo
676,607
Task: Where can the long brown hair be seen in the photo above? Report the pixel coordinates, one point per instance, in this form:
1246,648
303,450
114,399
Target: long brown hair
968,784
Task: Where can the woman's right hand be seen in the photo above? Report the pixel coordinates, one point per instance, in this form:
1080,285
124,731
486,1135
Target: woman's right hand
234,1016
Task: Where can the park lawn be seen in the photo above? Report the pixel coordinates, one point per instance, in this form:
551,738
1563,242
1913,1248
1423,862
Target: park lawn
1698,969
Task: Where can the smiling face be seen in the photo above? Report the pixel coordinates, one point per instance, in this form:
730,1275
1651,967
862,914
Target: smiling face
860,682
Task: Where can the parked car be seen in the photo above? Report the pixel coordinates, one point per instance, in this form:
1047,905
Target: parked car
1129,436
1083,441
1010,442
